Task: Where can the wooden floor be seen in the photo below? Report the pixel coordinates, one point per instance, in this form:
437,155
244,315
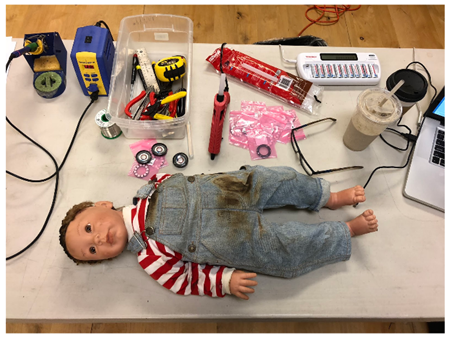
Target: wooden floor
402,26
370,26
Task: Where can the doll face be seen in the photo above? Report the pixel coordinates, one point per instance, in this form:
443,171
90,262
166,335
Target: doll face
97,233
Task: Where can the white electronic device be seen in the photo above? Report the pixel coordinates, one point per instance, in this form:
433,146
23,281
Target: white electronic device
338,69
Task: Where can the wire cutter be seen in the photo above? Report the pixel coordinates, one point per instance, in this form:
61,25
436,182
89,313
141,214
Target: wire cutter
148,108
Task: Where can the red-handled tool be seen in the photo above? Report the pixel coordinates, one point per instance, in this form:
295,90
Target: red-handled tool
148,108
221,101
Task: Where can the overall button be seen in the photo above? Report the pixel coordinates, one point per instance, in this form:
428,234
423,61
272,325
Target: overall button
191,179
192,248
150,231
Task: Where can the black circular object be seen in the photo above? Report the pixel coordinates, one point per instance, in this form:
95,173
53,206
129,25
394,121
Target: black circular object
159,149
180,160
413,90
143,157
267,152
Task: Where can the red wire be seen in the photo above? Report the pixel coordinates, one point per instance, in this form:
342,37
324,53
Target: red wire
336,10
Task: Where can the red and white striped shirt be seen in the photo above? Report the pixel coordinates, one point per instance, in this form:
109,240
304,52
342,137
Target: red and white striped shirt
167,267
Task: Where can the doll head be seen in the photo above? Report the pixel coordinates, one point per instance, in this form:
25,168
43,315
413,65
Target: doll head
92,232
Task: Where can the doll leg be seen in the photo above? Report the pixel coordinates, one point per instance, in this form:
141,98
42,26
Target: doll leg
349,196
250,241
363,224
280,186
275,187
298,248
292,248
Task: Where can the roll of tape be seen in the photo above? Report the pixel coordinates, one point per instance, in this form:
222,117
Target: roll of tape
108,129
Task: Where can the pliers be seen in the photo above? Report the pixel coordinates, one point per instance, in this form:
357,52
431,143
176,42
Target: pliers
149,107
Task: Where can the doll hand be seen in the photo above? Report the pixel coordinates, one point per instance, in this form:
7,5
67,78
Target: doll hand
239,283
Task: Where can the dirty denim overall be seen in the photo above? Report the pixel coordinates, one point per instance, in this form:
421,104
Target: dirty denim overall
217,219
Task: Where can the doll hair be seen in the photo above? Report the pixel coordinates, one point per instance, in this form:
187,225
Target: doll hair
70,216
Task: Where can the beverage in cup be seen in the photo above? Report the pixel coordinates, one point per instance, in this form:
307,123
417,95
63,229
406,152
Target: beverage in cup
376,108
413,90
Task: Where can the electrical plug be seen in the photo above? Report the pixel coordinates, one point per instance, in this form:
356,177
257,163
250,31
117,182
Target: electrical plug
410,137
94,95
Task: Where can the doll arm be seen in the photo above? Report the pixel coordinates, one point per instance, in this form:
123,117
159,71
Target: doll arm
240,282
184,278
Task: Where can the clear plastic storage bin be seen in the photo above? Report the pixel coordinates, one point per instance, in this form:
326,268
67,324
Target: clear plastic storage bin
162,36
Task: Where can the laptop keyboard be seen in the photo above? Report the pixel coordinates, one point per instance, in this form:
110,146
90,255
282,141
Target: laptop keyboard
438,156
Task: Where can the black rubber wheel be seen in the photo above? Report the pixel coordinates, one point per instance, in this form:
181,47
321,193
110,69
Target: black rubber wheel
180,160
143,157
159,149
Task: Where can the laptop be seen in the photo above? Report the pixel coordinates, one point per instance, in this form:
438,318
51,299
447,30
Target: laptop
425,181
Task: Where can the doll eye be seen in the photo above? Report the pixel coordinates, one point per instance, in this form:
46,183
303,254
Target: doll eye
88,228
92,250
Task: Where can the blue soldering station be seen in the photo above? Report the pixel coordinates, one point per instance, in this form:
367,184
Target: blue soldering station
92,57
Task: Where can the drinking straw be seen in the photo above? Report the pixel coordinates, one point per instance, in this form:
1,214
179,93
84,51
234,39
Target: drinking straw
392,92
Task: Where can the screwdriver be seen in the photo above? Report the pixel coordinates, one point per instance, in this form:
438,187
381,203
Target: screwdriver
139,71
133,74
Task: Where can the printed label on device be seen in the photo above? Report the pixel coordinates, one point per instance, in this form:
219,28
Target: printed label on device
87,62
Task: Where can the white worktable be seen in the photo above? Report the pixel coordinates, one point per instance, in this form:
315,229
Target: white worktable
394,274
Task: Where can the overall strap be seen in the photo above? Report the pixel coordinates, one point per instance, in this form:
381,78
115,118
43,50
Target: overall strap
144,192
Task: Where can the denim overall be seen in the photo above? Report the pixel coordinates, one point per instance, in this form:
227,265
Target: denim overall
217,219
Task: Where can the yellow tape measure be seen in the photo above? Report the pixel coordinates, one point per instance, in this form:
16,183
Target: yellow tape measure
171,68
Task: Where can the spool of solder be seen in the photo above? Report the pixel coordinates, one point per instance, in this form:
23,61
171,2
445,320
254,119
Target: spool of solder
108,129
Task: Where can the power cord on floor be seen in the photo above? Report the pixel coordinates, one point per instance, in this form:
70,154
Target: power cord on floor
335,10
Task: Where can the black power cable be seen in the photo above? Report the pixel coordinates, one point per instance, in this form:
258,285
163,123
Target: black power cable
94,97
98,24
68,150
54,193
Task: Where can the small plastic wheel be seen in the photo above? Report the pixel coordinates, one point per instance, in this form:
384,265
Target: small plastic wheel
263,151
159,149
143,157
180,160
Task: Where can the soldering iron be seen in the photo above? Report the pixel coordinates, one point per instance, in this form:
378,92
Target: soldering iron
27,49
